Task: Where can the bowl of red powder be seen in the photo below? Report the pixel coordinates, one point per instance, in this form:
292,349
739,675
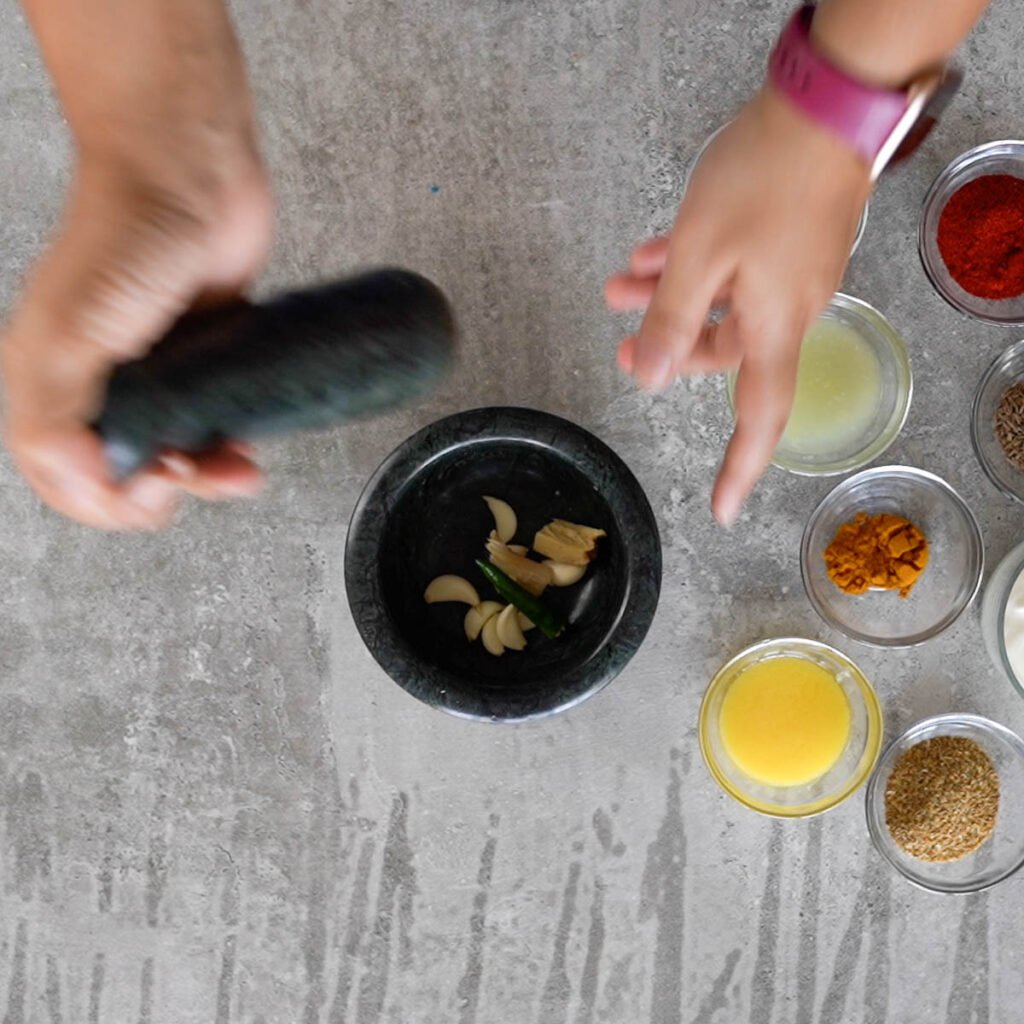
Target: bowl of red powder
971,234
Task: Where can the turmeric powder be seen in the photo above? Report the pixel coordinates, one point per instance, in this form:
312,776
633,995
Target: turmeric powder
883,551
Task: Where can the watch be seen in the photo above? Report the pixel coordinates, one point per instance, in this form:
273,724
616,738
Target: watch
882,125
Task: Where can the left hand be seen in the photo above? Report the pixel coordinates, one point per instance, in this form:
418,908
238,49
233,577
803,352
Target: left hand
765,229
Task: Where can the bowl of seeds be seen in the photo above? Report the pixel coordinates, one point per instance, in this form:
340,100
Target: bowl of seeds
945,807
997,422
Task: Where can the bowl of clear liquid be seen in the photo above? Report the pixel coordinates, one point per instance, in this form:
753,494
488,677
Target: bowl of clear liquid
853,392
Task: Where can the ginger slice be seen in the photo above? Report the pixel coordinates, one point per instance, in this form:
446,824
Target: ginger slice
567,543
534,577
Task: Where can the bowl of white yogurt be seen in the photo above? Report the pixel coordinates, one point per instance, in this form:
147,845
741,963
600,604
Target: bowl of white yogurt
1002,617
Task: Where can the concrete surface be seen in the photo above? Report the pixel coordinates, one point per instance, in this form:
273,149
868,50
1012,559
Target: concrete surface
217,809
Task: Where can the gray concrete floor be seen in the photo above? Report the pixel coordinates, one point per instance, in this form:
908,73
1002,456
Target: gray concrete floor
217,809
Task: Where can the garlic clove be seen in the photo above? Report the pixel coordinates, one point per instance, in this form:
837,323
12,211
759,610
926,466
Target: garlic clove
451,588
490,637
507,628
563,575
504,518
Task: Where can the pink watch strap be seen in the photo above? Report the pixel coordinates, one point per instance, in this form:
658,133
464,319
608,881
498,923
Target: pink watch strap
863,116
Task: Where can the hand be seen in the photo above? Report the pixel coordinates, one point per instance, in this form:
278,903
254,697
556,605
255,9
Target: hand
129,259
765,230
169,208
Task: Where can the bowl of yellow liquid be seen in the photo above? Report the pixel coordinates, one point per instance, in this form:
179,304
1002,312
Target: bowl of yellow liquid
790,727
853,391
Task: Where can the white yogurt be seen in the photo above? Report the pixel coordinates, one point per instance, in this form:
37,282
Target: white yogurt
1013,626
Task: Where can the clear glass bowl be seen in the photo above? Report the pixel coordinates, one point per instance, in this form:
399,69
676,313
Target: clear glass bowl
946,587
897,385
1003,157
845,777
861,226
1003,852
993,612
1006,370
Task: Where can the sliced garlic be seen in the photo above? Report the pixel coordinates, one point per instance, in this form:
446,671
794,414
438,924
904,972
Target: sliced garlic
509,633
451,588
524,623
563,575
504,518
490,637
518,549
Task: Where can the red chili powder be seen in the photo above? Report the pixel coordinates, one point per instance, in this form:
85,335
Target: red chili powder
981,236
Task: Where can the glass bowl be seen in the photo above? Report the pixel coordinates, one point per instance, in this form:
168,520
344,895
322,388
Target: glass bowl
1006,370
993,612
1003,852
946,587
861,225
846,775
897,385
1003,157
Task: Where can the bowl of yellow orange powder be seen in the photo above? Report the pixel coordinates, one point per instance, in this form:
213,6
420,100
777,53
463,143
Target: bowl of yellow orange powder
892,557
790,727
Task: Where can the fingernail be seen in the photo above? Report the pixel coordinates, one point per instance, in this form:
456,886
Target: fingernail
657,373
242,488
151,493
726,512
178,465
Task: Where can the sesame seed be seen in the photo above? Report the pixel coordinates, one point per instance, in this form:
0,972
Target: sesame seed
942,798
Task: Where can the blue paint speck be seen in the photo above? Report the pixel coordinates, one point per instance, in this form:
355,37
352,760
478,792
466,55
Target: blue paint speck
435,189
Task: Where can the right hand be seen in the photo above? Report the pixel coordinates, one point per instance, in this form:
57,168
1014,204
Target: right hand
130,257
169,208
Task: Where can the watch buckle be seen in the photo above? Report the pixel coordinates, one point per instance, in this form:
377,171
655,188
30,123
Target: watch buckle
928,97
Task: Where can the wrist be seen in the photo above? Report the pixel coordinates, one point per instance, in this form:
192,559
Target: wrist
171,118
881,124
807,139
156,76
889,43
176,153
180,134
853,48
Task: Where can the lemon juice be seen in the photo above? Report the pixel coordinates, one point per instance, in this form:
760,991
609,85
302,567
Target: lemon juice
838,391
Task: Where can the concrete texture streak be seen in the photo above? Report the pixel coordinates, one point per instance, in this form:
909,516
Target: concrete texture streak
215,808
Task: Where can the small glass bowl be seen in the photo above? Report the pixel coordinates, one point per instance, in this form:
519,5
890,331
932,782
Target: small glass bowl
993,612
897,384
1002,157
1006,370
946,587
846,775
1003,852
861,225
